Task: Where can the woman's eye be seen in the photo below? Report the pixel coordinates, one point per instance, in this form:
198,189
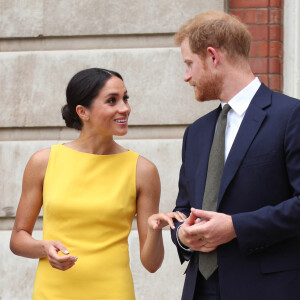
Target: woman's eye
125,98
111,100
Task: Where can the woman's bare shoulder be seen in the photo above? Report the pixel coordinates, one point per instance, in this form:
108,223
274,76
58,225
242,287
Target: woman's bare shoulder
146,167
39,160
41,156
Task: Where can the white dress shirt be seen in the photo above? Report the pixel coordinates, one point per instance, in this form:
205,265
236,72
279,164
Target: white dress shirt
239,104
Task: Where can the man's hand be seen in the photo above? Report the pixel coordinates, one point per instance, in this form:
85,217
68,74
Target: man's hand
207,233
187,236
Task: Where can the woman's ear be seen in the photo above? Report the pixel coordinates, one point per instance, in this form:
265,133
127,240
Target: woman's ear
82,112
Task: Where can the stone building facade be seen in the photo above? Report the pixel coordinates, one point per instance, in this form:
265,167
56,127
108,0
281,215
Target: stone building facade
43,43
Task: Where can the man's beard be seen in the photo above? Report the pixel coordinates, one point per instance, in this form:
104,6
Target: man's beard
209,88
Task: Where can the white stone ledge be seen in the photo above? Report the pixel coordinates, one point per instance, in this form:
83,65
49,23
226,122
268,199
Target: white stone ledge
64,133
32,88
165,154
88,42
33,18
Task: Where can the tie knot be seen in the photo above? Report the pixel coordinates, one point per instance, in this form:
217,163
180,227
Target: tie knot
226,109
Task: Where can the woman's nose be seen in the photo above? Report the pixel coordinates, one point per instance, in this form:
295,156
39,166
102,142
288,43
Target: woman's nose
124,107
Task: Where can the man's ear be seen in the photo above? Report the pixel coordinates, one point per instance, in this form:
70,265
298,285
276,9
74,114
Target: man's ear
82,112
213,55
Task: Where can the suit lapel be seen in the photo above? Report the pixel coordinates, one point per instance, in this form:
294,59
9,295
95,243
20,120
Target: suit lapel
249,128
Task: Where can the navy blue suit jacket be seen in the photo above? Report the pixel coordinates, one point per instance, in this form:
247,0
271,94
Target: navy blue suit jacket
260,189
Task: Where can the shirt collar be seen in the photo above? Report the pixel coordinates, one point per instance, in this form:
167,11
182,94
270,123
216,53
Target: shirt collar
240,102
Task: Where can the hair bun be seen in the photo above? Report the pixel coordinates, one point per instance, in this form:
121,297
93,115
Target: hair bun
70,120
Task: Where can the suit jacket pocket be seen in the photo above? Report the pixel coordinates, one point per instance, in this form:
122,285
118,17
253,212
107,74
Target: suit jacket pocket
261,159
271,262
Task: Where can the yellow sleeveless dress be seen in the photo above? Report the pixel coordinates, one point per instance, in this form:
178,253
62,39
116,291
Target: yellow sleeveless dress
89,202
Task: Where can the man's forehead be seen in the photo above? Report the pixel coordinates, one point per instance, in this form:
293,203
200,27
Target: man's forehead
185,49
185,44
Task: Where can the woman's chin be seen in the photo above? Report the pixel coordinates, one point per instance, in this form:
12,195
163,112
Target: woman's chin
121,133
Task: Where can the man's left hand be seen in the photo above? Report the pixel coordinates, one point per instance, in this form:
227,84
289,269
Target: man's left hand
216,230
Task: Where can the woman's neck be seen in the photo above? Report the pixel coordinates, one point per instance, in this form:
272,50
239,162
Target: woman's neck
95,144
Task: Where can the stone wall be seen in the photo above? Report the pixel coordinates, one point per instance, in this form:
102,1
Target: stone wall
43,43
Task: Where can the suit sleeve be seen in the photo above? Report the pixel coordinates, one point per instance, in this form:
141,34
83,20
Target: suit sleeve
262,228
182,202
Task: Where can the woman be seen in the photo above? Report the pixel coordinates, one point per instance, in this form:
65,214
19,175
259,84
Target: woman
90,189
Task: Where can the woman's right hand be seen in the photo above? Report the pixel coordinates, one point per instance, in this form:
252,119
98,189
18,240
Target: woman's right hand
56,261
160,220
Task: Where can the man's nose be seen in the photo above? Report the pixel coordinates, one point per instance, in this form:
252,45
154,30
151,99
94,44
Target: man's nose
187,76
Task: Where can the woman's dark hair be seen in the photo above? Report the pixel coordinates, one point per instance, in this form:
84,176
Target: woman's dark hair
81,90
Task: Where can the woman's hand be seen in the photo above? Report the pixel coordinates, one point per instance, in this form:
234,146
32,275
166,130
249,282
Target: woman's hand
160,220
56,261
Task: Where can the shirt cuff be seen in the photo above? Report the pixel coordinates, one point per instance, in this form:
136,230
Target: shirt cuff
180,244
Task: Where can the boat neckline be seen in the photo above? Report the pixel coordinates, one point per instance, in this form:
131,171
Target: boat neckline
92,154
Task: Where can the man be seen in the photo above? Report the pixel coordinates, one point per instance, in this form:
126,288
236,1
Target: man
242,236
